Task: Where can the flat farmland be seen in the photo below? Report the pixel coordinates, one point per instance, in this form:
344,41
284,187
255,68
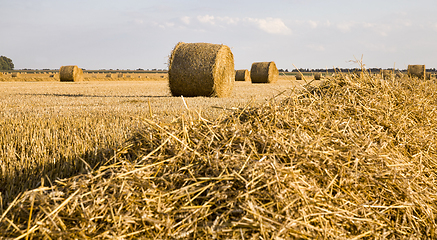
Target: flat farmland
134,98
351,158
48,128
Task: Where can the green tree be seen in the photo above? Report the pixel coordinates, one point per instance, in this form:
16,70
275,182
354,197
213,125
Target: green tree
6,63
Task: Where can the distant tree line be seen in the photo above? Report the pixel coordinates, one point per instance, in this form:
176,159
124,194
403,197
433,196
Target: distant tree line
345,70
6,63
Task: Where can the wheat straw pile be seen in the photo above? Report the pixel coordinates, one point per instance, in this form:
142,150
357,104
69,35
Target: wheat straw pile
70,73
353,158
201,69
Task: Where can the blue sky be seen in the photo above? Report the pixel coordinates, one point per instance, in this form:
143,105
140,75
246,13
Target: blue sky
131,34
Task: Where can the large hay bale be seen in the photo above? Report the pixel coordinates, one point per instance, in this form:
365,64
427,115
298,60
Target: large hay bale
242,75
16,74
70,73
264,72
299,76
417,71
317,76
201,69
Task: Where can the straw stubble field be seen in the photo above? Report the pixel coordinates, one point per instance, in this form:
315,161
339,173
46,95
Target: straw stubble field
351,158
47,127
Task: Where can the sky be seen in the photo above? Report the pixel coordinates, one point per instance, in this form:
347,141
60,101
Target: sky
132,34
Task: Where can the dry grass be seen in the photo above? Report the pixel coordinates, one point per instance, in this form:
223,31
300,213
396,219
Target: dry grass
353,158
50,126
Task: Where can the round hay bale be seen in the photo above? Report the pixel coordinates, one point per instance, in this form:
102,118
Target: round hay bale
70,73
417,71
385,73
264,72
242,75
317,76
120,75
201,69
16,74
299,76
109,75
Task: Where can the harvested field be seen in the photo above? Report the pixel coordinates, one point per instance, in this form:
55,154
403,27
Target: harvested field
351,158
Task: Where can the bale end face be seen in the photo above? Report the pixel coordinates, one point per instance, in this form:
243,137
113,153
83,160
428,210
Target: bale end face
264,72
70,74
201,69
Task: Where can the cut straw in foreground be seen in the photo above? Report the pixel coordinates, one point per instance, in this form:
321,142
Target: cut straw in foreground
351,158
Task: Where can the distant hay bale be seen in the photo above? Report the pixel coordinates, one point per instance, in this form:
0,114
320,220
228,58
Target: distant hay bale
70,73
201,69
52,75
386,74
299,76
16,74
120,75
1,74
242,75
417,71
317,76
264,72
109,75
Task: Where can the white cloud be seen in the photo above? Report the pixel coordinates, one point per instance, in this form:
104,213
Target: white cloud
163,25
138,21
186,20
228,20
270,25
313,24
319,48
206,19
345,26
